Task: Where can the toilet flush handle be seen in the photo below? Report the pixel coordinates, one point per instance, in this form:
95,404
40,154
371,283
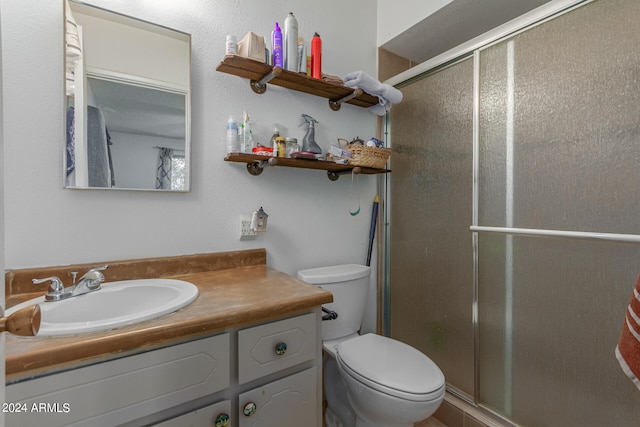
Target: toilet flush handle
331,315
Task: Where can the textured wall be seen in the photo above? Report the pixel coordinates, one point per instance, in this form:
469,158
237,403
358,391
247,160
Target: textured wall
309,222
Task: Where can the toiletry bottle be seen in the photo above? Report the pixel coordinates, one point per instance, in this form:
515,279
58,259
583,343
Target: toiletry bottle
233,145
302,56
309,141
273,143
247,136
231,45
290,43
276,47
316,57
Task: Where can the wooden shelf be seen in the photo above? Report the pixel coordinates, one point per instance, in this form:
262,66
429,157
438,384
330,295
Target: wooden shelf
256,164
260,74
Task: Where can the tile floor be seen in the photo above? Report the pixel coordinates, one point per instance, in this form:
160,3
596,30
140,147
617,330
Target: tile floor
430,422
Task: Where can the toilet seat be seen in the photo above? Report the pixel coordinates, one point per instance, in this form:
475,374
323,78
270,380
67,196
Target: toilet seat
391,367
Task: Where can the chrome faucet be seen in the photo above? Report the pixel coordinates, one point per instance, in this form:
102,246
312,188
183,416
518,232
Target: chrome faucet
89,282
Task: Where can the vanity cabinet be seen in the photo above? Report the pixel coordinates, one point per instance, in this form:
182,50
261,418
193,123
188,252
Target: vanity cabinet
267,374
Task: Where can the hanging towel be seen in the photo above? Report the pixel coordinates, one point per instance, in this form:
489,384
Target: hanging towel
628,349
73,49
386,94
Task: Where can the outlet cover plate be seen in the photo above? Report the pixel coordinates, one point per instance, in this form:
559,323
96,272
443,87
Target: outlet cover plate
246,233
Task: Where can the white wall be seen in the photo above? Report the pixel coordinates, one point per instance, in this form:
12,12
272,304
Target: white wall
135,158
2,300
309,222
397,16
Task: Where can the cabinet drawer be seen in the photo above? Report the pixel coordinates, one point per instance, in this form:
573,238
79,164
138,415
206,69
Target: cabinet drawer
203,417
291,401
118,391
268,348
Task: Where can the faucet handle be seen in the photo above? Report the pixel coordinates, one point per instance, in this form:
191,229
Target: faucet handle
92,278
96,269
56,288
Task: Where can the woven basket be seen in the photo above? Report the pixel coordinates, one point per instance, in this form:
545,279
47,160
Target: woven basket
369,157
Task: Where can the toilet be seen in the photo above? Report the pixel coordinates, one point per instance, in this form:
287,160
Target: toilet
369,380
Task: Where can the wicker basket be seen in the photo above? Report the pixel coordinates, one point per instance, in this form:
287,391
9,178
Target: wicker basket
369,157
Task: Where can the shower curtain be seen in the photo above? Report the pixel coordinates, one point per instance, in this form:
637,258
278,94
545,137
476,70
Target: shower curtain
163,171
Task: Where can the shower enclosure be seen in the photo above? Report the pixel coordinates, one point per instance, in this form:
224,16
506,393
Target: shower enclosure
513,216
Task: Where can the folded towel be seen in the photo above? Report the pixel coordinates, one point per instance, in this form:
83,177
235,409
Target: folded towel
386,94
628,349
332,79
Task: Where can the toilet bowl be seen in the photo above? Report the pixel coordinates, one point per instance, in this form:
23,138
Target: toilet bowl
370,380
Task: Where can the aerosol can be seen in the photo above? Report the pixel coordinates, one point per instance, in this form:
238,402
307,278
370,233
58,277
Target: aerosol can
309,141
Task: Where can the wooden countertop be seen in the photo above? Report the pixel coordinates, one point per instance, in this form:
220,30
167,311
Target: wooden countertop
228,298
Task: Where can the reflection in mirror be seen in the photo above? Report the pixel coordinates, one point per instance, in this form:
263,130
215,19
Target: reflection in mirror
127,102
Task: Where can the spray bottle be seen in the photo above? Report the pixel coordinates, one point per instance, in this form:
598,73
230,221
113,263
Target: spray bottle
316,56
290,41
309,141
276,47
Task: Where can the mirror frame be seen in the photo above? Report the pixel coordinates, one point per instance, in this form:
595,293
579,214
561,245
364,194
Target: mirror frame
141,81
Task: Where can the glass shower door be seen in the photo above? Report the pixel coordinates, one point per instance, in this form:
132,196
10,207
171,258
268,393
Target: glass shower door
431,265
559,151
554,205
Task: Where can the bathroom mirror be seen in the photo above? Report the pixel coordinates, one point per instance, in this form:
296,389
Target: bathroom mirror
127,99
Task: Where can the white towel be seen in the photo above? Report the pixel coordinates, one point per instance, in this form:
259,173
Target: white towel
628,348
72,39
386,94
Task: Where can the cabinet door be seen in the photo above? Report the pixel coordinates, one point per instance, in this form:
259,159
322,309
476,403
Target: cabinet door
291,401
218,415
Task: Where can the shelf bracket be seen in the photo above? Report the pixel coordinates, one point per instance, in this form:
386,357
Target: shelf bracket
260,86
256,168
335,105
334,175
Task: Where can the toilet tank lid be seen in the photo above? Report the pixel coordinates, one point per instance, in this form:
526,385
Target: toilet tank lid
334,273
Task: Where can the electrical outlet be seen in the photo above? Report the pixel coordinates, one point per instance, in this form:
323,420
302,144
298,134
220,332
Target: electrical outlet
246,233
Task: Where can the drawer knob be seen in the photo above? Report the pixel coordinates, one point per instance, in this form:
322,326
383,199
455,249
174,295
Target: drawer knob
222,420
281,348
249,409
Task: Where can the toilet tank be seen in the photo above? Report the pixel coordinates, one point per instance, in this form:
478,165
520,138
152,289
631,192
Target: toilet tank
349,284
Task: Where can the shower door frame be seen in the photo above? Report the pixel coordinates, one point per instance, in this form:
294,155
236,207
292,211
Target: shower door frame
473,48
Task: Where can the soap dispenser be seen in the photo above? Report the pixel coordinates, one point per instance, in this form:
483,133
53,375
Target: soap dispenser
309,141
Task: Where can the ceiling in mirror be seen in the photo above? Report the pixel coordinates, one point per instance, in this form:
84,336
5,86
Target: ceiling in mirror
127,102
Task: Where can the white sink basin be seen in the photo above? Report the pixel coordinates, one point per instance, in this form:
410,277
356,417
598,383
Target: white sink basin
116,305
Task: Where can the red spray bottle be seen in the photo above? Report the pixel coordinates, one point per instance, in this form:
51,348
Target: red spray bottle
316,57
